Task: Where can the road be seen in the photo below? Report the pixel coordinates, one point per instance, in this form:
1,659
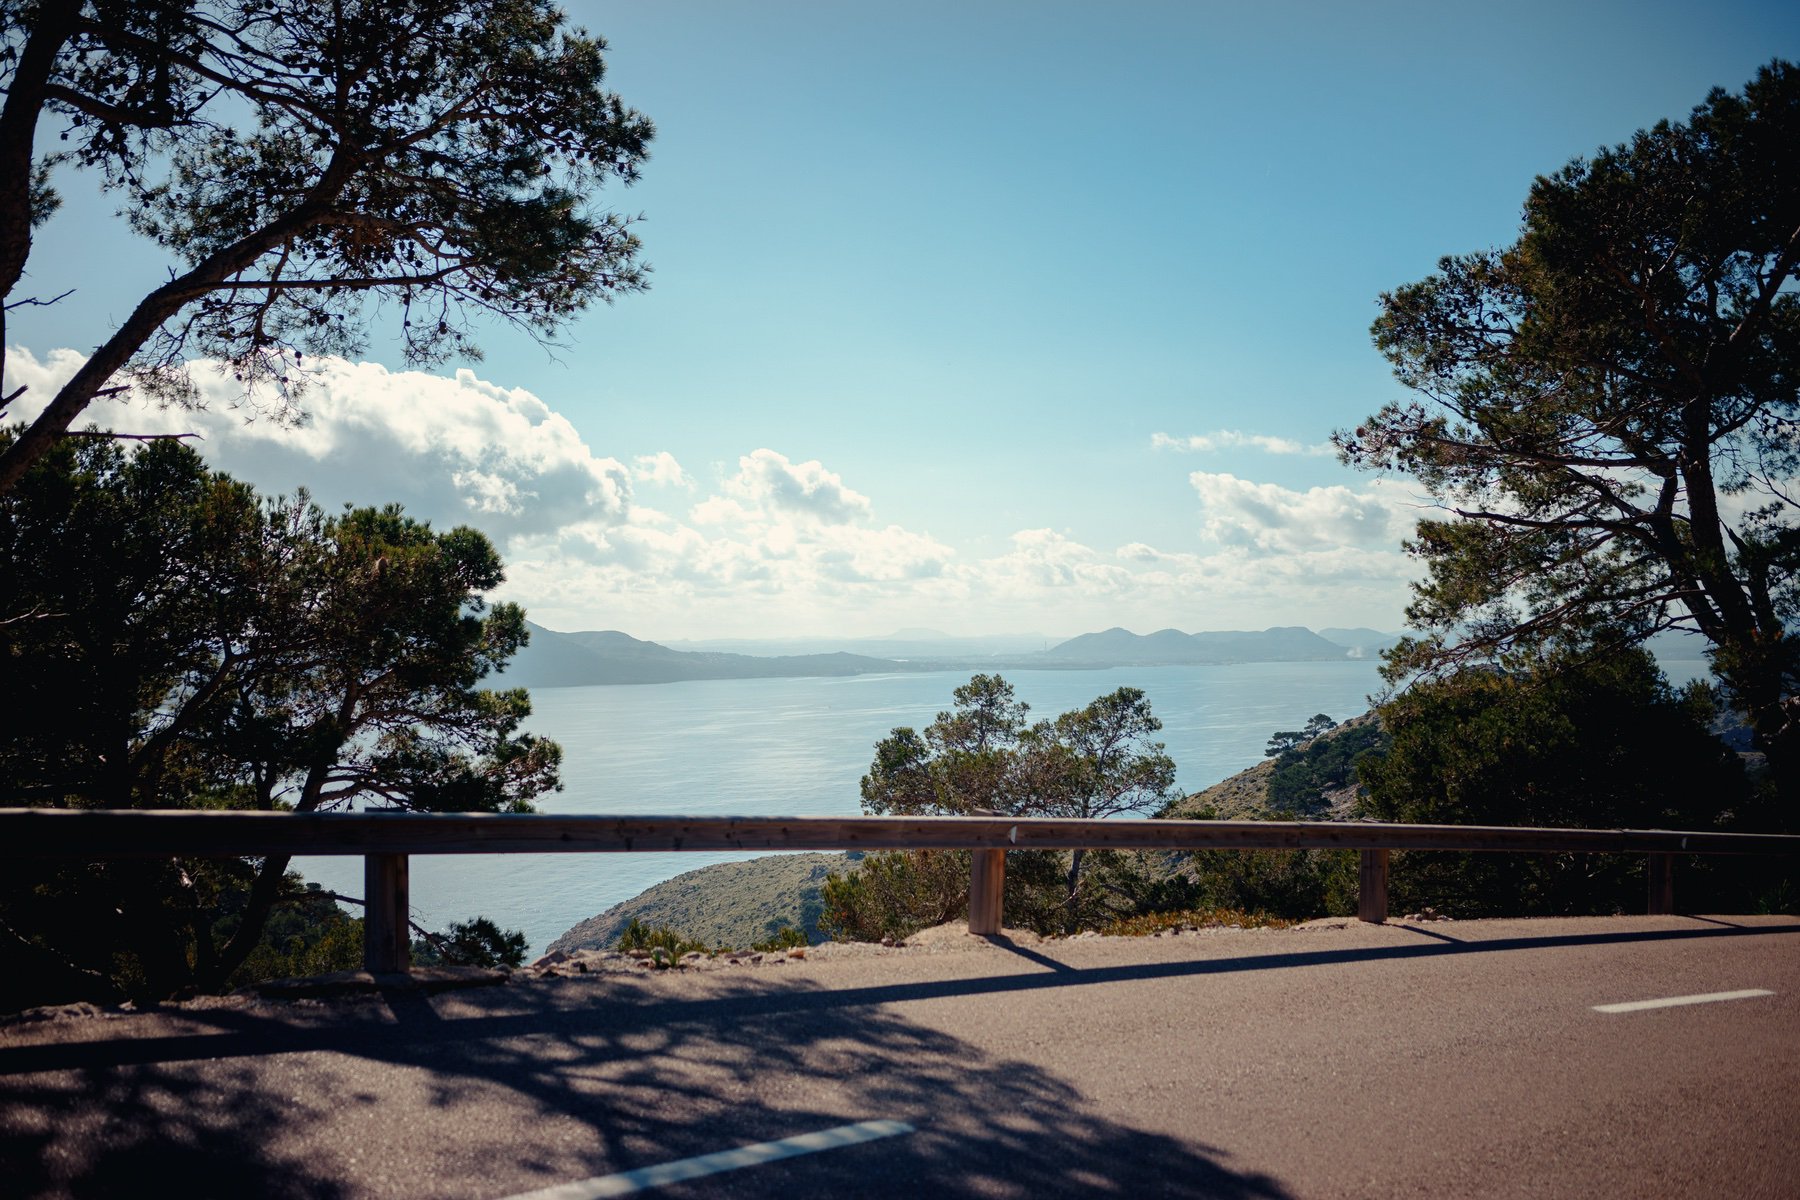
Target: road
1446,1059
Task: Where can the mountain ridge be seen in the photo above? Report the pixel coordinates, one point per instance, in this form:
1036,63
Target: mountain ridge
609,656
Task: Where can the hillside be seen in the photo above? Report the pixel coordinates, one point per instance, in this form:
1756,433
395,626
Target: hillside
727,904
1316,780
1239,797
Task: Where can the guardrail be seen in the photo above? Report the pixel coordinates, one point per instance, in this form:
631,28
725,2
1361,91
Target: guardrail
385,840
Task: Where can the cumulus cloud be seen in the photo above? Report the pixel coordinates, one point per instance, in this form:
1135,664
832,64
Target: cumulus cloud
660,468
1232,439
1271,517
1047,561
775,545
451,450
771,483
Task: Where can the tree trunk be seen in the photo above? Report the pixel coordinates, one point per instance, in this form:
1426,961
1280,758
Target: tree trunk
267,888
1072,910
51,28
263,894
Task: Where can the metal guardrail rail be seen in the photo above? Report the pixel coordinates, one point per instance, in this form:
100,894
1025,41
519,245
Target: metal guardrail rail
385,840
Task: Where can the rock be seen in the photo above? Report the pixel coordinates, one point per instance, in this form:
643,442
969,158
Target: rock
797,952
66,1012
346,983
550,960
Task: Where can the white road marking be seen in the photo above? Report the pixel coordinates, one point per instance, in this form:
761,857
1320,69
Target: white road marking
627,1182
1673,1001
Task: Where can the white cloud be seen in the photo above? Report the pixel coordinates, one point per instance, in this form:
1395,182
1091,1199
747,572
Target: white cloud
777,546
1270,517
451,450
660,468
768,481
1044,560
1231,439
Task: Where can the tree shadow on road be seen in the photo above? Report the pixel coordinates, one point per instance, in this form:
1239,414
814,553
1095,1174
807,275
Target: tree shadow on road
530,1086
203,1129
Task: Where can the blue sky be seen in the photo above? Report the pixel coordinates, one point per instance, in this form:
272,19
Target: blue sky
930,280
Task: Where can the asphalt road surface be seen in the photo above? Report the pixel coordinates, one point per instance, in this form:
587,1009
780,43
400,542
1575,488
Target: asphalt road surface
1449,1059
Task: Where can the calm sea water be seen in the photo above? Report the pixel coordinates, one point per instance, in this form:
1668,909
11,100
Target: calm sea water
798,747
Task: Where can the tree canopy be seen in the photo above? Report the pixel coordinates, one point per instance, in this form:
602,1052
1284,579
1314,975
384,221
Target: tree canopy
1284,740
1606,409
170,639
298,160
982,756
1593,743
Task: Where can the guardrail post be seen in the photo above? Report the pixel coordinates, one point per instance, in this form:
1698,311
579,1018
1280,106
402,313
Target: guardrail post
1662,884
387,944
987,887
1371,895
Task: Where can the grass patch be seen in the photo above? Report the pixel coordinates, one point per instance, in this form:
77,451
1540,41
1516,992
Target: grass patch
1195,918
662,947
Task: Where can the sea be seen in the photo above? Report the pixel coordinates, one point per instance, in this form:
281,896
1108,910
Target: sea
799,747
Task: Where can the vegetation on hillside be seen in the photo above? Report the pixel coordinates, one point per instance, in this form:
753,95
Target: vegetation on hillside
1568,742
664,947
1320,777
1578,742
173,640
726,904
983,756
475,943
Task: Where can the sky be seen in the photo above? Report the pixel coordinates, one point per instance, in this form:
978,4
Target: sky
995,317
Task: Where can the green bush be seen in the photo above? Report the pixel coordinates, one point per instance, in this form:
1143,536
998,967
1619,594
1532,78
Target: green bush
309,935
477,943
785,938
897,893
1589,743
1194,918
1305,776
661,941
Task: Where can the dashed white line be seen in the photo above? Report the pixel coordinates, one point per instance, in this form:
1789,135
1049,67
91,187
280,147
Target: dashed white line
626,1182
1674,1001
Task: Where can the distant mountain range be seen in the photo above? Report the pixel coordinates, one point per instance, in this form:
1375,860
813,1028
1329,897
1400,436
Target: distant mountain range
554,659
903,643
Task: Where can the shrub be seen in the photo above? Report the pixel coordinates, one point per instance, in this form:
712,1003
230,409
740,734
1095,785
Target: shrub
477,943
